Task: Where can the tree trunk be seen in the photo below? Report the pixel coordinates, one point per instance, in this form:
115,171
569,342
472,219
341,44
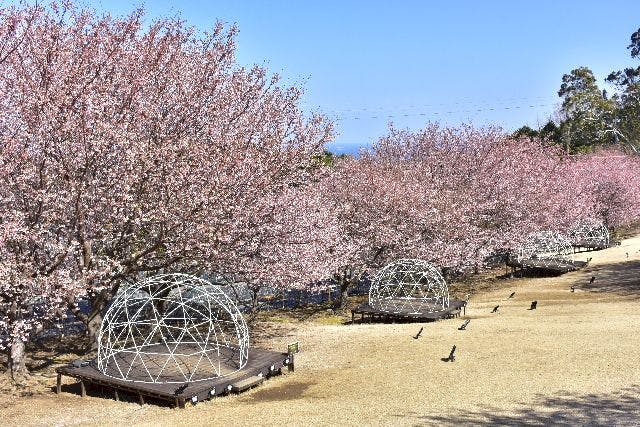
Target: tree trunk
93,320
254,300
16,357
93,328
344,295
17,360
345,279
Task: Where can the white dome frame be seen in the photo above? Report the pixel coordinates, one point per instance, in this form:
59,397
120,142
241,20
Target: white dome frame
590,233
546,247
172,328
409,286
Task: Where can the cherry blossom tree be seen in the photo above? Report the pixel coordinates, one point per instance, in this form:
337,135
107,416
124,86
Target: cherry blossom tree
368,198
607,184
480,188
451,196
129,150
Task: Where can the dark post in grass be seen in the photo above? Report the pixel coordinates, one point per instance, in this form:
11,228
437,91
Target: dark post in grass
452,355
418,334
291,350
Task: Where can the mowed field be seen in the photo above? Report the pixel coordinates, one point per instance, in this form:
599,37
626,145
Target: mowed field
573,361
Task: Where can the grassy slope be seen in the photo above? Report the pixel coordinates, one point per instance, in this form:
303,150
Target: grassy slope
573,360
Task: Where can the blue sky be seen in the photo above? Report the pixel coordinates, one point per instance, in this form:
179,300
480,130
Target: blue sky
365,63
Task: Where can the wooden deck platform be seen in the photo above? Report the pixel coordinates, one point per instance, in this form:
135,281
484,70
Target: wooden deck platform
372,314
585,245
546,265
261,364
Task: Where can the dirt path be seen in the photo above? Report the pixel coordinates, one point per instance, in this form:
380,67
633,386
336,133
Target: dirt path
574,360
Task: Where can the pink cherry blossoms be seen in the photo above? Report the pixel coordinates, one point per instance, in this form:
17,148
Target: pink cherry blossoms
454,196
128,150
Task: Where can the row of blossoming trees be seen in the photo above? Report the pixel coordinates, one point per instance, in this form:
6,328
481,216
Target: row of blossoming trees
456,196
127,150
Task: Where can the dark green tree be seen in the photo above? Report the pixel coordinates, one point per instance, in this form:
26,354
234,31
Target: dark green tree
588,113
551,132
526,131
627,82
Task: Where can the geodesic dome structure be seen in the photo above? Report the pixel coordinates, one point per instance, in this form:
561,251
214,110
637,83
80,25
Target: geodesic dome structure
590,234
546,246
409,286
172,328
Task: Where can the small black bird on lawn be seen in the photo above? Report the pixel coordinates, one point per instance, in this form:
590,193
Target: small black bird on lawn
418,334
573,288
593,279
512,294
495,309
534,305
627,254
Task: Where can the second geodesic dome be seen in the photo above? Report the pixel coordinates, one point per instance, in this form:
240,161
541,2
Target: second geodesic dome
409,286
546,246
172,328
590,234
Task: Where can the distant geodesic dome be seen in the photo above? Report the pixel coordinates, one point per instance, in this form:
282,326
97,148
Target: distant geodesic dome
590,234
172,328
546,246
409,286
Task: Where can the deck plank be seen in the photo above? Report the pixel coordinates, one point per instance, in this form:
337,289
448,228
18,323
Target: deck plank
453,310
259,362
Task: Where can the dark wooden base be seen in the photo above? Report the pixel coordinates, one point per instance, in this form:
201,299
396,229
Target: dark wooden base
372,314
548,266
590,246
261,364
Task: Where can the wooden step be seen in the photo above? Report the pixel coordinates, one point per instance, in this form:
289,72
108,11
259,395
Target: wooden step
246,384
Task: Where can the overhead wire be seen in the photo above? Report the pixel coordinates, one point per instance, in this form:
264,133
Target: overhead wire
422,110
437,113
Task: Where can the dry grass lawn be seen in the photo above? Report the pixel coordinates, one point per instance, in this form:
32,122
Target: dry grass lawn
573,361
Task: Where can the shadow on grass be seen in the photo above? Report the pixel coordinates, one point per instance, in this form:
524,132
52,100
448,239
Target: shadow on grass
531,273
44,353
291,391
621,408
96,390
621,278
